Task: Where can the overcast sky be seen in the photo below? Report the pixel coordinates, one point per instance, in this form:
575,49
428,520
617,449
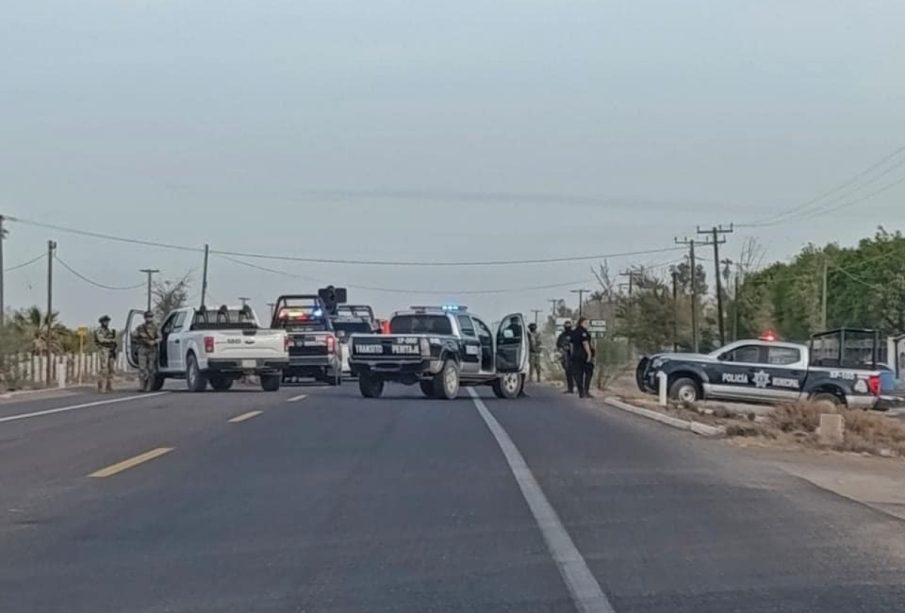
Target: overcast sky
428,131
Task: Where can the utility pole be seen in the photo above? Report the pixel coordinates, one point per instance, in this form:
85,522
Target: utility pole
207,249
2,301
631,278
823,298
581,293
554,302
149,272
536,313
728,264
51,247
715,240
675,310
244,300
694,291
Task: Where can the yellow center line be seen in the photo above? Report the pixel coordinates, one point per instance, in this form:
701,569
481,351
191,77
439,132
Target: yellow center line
244,416
135,461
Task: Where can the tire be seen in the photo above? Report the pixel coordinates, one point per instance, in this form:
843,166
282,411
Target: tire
427,388
833,399
195,380
157,383
370,386
684,389
446,382
508,386
271,383
221,383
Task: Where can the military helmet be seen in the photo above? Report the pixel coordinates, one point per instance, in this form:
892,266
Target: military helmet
149,314
103,318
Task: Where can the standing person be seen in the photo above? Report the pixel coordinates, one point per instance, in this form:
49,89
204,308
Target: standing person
564,347
105,339
535,348
147,337
582,358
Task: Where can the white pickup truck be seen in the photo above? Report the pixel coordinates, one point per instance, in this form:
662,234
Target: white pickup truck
215,346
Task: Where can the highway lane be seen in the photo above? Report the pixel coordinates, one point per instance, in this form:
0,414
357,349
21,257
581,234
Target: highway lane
336,503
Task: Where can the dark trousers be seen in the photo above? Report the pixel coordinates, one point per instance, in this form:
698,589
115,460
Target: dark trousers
582,373
570,379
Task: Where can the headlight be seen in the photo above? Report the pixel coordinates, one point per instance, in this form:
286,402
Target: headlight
425,348
657,363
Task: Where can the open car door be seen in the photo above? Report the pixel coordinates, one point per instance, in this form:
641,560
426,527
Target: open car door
131,350
512,344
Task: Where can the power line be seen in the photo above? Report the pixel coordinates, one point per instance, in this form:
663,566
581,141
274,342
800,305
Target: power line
93,282
442,263
405,290
857,280
24,264
356,262
801,209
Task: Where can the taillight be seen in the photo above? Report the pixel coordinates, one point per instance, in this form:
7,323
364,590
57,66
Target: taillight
287,342
425,348
874,384
331,344
208,344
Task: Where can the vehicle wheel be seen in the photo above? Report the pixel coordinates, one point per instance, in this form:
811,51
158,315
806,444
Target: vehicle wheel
508,386
370,386
833,399
157,382
446,383
427,388
221,383
684,390
271,383
194,378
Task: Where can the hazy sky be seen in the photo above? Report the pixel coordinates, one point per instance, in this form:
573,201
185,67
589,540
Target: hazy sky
431,130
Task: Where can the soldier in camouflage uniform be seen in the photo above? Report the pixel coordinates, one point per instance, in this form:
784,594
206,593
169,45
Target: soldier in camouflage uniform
105,339
535,348
147,338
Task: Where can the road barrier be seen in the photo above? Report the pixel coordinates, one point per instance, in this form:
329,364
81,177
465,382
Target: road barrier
30,370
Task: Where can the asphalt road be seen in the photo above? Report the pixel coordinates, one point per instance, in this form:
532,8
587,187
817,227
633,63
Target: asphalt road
336,503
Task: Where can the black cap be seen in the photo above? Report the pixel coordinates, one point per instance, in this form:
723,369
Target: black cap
149,314
103,319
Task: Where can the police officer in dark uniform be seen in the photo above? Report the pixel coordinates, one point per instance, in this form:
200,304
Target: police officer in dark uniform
582,358
564,346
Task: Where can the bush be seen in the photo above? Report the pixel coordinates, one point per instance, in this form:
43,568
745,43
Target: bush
800,416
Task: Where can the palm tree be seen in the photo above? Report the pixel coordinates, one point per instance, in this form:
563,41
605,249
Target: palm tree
39,329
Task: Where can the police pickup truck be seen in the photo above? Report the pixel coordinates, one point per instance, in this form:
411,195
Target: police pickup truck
313,348
352,319
441,348
839,366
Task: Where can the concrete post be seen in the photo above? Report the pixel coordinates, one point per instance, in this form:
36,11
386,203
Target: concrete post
661,380
831,430
61,372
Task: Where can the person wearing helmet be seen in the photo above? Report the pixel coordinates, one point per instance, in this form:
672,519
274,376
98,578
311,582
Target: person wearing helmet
105,339
535,348
147,338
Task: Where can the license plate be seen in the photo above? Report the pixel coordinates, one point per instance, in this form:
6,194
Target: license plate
249,363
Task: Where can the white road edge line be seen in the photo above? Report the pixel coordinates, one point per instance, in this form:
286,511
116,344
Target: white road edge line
299,397
78,406
582,585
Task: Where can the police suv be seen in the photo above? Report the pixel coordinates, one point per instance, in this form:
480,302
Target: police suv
834,368
441,349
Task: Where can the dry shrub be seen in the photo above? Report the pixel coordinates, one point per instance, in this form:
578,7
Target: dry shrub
872,433
800,416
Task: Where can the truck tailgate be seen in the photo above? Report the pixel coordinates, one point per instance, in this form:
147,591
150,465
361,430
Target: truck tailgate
385,346
237,344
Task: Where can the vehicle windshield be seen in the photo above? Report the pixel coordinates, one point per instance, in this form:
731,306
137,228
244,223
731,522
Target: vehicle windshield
420,324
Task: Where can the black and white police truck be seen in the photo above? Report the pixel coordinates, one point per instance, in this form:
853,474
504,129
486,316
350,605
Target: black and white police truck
441,349
839,366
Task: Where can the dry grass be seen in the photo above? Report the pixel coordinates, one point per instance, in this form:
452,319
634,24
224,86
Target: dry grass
865,432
